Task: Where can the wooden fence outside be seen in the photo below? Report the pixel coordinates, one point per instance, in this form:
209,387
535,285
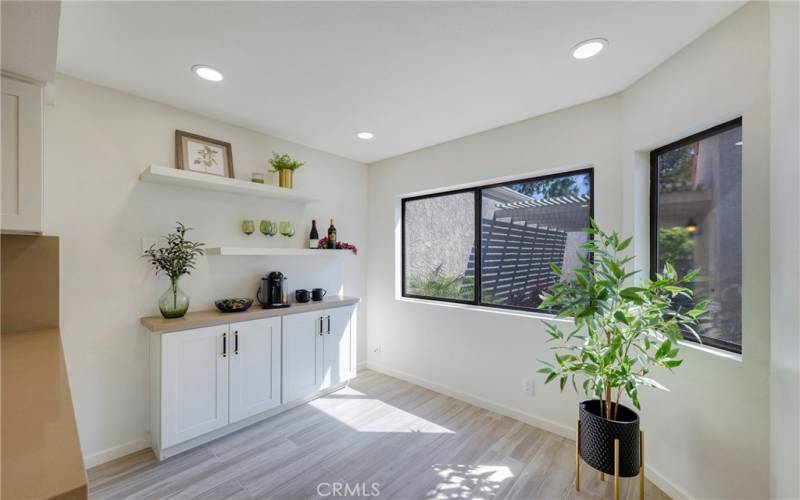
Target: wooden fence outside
515,261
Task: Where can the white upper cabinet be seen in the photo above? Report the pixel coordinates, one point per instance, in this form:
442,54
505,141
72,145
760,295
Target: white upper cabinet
21,156
255,367
194,383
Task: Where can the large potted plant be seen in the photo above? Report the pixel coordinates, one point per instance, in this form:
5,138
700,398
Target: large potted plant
622,331
176,259
285,165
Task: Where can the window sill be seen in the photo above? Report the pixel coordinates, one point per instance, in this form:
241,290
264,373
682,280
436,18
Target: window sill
492,310
714,351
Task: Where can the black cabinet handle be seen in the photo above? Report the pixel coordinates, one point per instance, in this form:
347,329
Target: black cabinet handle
236,342
329,325
224,344
320,326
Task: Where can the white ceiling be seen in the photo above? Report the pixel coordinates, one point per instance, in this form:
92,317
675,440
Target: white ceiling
29,36
413,73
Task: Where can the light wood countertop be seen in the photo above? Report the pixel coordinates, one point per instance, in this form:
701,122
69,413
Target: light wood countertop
211,317
41,452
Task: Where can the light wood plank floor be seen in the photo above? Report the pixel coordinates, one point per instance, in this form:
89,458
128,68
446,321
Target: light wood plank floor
410,441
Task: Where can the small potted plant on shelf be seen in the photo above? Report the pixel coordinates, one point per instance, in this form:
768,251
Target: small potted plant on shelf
175,259
285,165
621,332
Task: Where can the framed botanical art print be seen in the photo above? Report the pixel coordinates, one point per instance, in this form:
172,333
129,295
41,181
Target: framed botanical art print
203,154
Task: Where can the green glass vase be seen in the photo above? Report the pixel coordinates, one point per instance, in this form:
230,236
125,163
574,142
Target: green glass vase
174,302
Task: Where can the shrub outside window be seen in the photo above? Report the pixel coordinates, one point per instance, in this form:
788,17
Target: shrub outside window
493,245
696,222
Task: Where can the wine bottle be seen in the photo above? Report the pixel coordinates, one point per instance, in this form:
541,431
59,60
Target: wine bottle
313,238
331,236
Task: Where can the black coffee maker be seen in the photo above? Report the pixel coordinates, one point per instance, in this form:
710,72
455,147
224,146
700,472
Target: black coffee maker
272,292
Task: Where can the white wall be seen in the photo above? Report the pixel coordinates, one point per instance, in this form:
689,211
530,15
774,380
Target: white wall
478,353
785,228
97,141
709,435
708,438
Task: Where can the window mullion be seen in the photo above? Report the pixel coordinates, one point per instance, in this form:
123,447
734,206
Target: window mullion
478,237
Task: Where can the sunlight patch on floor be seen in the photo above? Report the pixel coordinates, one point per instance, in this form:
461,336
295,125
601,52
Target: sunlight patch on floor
469,481
347,391
384,417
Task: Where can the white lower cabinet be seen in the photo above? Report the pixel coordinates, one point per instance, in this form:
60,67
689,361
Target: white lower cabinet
204,380
316,351
194,383
302,355
255,368
337,366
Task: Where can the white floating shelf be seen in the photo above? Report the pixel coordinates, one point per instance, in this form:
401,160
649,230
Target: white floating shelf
196,180
272,251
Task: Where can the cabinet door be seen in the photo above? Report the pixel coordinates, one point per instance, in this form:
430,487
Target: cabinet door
302,355
21,160
194,390
255,367
337,365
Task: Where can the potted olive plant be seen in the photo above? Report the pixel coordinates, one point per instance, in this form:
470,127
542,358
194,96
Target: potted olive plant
285,165
621,332
175,260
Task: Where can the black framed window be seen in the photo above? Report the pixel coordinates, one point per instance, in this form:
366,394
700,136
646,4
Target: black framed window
696,222
492,245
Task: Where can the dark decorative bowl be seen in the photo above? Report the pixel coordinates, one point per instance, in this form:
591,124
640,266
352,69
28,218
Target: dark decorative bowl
233,305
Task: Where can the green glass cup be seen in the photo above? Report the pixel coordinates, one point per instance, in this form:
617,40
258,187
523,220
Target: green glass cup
248,227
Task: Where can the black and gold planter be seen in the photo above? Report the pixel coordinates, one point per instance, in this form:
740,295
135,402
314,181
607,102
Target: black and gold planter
614,447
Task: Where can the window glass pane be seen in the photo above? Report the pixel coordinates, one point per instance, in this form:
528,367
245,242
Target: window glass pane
700,226
439,239
526,226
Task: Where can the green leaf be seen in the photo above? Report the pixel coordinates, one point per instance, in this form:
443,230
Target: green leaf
664,349
622,246
699,309
550,377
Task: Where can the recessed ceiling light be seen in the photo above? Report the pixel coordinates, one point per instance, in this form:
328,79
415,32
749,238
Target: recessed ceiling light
589,48
365,135
207,73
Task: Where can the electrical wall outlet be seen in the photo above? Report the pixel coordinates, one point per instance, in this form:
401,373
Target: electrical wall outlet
528,386
377,349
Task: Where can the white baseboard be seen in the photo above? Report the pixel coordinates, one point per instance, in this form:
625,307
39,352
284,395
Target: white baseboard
542,423
665,485
361,366
107,455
